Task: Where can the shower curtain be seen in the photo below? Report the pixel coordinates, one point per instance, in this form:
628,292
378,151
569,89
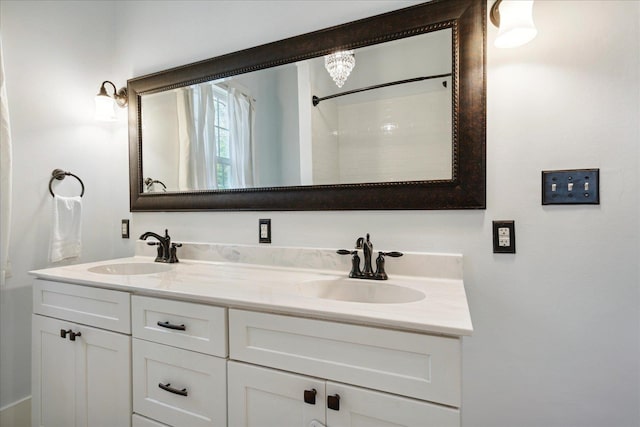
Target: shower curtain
5,176
197,155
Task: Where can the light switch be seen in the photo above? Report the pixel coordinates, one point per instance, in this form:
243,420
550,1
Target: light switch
571,187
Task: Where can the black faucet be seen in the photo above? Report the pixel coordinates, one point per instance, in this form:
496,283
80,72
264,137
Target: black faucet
166,249
367,249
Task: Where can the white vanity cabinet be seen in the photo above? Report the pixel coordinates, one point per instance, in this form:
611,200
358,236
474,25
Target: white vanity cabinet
179,363
201,345
362,376
80,372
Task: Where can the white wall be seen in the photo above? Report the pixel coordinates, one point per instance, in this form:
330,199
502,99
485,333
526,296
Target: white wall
557,327
56,55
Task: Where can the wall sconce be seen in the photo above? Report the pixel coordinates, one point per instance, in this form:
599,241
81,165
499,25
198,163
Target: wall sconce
514,19
106,104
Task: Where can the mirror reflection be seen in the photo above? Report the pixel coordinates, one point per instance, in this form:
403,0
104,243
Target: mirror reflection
261,129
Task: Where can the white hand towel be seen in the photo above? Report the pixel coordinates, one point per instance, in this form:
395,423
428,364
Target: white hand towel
65,232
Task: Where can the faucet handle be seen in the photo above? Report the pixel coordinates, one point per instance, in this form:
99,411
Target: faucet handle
160,254
380,273
393,254
173,255
355,262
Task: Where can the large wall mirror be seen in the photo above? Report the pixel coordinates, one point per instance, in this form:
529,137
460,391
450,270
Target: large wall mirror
383,113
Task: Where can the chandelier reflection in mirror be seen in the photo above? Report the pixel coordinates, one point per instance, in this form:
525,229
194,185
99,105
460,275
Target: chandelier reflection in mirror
339,65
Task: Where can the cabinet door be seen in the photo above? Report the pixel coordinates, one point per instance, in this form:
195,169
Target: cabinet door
366,408
104,371
81,383
53,374
262,397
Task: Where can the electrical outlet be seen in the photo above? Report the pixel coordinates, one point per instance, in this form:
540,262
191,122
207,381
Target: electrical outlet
504,237
264,230
571,187
124,229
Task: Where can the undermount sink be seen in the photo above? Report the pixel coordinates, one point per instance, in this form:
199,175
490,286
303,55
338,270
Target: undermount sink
130,268
358,290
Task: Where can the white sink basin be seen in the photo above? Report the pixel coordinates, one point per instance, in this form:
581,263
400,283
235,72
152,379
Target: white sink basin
359,290
131,268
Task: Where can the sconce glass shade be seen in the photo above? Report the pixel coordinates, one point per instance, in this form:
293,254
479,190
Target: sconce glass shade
105,108
339,65
106,104
515,20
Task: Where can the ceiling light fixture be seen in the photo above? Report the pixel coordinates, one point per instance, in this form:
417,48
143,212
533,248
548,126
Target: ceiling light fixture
339,65
514,19
106,104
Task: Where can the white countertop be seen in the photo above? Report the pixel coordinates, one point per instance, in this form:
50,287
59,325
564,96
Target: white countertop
277,289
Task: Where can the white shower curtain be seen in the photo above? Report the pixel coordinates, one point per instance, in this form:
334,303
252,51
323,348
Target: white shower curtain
241,139
197,156
5,176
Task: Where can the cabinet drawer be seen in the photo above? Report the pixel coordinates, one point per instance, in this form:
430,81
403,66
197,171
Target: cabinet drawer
103,308
196,327
411,364
138,421
195,385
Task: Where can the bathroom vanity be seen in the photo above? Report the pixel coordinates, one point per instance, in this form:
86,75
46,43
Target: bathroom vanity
236,336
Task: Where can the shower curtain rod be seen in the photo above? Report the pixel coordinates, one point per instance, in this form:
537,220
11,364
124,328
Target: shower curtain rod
317,100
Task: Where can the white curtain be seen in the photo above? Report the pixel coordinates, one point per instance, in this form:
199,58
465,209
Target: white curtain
5,176
197,156
241,138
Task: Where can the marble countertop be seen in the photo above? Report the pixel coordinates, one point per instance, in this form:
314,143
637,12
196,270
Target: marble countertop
278,289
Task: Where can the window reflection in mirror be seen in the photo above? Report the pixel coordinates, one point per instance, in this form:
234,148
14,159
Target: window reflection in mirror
261,129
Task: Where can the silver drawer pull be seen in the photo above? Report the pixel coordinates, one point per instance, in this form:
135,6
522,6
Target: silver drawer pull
167,387
172,326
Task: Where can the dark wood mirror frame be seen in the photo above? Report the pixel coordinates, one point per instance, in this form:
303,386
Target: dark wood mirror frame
466,189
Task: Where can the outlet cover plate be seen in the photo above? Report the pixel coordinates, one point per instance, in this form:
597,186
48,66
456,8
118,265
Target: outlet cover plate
504,237
571,187
264,230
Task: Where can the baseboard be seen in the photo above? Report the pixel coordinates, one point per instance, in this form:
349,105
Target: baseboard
17,414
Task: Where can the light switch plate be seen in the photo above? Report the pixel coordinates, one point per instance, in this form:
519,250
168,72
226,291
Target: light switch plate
571,187
264,230
124,229
504,237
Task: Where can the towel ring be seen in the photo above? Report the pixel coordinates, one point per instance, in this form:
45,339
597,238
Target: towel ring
59,174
